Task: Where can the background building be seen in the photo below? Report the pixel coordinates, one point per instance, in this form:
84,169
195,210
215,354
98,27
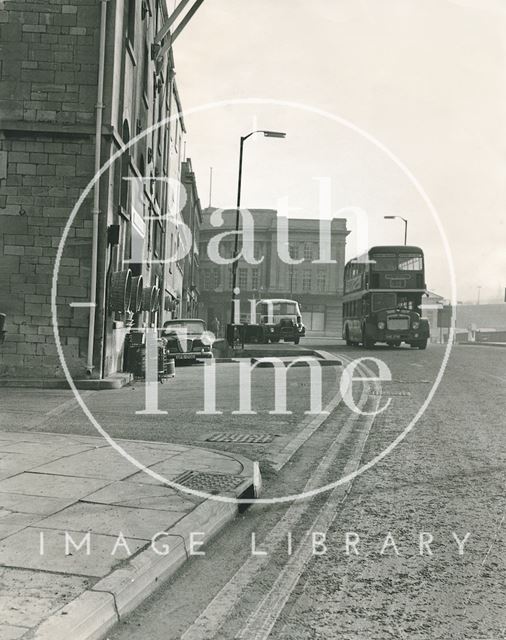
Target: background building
192,218
317,287
56,129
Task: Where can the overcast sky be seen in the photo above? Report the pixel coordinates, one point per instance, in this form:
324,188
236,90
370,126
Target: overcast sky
424,77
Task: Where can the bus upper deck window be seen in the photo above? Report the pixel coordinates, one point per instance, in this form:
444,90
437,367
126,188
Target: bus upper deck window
384,262
410,262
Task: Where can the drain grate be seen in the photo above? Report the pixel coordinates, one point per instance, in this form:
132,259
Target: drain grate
210,482
389,393
243,438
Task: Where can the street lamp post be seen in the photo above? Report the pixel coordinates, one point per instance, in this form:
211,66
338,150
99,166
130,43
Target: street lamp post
405,226
267,134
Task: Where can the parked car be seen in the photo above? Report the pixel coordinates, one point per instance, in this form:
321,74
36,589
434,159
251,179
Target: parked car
187,340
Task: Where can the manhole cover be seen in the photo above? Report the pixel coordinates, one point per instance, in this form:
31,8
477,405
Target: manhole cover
389,393
210,482
244,438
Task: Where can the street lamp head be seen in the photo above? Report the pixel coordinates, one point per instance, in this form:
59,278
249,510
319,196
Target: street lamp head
274,134
390,217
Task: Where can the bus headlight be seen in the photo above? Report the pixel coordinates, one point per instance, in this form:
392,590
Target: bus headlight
381,325
416,325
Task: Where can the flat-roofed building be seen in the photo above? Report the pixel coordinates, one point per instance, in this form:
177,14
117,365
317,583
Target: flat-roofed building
316,285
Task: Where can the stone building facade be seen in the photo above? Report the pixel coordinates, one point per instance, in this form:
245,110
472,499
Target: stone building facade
191,212
55,56
317,286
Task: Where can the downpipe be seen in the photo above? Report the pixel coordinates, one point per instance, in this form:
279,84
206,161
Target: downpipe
99,108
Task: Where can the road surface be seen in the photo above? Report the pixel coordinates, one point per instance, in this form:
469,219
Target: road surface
414,547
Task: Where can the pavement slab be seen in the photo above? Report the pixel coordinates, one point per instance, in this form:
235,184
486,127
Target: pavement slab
143,496
28,597
112,520
54,486
39,505
11,523
95,515
9,632
101,463
43,549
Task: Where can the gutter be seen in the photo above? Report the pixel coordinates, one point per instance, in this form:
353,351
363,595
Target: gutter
99,108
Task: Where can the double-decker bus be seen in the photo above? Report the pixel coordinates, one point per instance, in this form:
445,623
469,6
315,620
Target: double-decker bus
382,298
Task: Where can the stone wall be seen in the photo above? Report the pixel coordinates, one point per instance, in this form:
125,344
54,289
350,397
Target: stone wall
48,76
38,195
48,61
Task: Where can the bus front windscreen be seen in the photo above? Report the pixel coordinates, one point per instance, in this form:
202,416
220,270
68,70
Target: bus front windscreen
383,301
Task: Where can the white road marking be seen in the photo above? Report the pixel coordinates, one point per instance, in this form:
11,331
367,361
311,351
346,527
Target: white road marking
491,375
207,625
62,408
263,619
279,459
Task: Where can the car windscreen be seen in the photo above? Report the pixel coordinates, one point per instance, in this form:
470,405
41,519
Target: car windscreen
278,309
190,327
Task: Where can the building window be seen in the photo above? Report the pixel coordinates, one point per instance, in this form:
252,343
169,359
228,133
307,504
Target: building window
145,75
206,280
294,251
308,251
216,277
321,282
243,278
157,239
231,277
255,279
306,281
125,170
293,280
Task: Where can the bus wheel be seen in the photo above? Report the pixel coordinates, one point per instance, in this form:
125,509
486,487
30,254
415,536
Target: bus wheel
421,344
349,343
296,340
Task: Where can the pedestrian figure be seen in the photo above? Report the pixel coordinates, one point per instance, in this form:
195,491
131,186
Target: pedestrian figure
215,326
